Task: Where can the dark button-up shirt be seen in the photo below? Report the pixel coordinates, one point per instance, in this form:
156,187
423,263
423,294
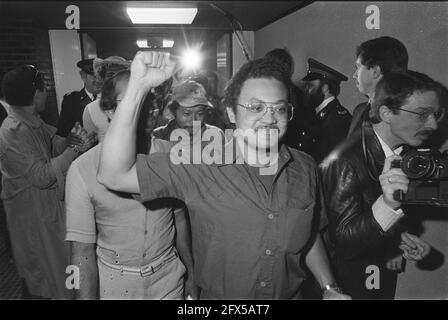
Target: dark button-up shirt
247,241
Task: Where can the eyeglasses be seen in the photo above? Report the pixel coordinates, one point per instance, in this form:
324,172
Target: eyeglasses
259,108
424,115
33,69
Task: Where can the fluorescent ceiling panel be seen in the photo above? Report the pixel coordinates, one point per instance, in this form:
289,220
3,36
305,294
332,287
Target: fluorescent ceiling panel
162,15
168,43
142,43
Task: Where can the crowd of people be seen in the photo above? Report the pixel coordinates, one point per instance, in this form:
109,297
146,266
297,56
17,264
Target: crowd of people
298,201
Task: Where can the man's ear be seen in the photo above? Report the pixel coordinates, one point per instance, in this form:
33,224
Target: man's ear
231,114
325,89
377,72
385,114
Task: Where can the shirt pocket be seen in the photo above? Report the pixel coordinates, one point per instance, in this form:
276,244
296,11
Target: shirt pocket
299,226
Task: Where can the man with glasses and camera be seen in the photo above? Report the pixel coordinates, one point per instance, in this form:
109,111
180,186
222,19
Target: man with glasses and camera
34,161
366,241
249,229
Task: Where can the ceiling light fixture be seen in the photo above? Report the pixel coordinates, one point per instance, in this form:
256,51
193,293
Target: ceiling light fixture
142,43
167,43
162,15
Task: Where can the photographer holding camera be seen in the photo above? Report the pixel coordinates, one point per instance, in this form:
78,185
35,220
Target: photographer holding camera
359,181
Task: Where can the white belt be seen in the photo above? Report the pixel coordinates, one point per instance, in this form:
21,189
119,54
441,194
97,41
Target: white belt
144,271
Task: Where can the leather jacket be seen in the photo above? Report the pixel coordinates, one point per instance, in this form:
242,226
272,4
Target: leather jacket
350,186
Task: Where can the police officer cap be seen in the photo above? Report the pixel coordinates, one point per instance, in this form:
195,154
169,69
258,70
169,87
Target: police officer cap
86,65
319,71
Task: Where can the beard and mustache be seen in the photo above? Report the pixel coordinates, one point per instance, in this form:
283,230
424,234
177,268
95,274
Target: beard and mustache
313,99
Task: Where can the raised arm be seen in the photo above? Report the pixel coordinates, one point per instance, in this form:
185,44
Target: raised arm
117,169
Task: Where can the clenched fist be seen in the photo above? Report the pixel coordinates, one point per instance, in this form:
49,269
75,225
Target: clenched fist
150,69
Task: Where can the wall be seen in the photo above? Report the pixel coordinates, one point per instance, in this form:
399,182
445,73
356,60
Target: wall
238,57
330,32
23,42
88,46
66,52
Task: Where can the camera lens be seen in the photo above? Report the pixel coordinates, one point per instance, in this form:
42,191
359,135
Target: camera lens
418,166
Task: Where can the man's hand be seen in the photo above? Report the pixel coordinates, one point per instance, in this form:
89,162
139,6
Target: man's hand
392,179
150,69
395,264
335,295
414,248
89,141
79,140
191,290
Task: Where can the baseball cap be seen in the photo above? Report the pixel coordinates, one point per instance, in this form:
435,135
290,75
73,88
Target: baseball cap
189,94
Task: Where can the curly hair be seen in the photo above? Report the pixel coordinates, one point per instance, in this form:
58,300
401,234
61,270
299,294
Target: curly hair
283,56
261,68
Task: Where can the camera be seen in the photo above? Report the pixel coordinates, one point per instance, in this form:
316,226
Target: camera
427,171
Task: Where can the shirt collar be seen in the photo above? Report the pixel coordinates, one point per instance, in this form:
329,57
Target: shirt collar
30,119
284,154
324,104
386,149
90,95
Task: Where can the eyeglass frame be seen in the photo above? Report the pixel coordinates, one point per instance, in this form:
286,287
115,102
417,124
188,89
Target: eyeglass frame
420,114
267,106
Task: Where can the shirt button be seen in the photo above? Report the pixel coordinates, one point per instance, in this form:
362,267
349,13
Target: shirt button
146,232
262,284
144,255
268,252
270,216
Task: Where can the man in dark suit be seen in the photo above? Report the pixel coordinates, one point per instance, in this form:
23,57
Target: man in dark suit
374,59
328,122
74,103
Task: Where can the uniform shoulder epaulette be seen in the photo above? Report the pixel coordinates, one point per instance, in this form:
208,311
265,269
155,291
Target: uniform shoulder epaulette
72,94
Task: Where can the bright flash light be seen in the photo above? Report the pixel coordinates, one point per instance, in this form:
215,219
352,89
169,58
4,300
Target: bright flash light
191,59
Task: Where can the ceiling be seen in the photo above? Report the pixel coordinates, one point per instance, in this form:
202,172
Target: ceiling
109,25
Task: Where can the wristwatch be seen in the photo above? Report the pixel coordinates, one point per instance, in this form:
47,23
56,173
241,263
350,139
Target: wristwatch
332,286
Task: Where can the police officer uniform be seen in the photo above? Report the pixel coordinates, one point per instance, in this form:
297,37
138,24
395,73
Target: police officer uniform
329,126
74,103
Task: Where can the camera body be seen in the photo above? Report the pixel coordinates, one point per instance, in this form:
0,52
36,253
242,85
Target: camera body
427,171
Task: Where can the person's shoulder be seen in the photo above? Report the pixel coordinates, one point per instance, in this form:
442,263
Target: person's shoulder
159,132
73,96
93,106
302,158
338,110
211,127
350,150
160,145
89,159
12,124
360,107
